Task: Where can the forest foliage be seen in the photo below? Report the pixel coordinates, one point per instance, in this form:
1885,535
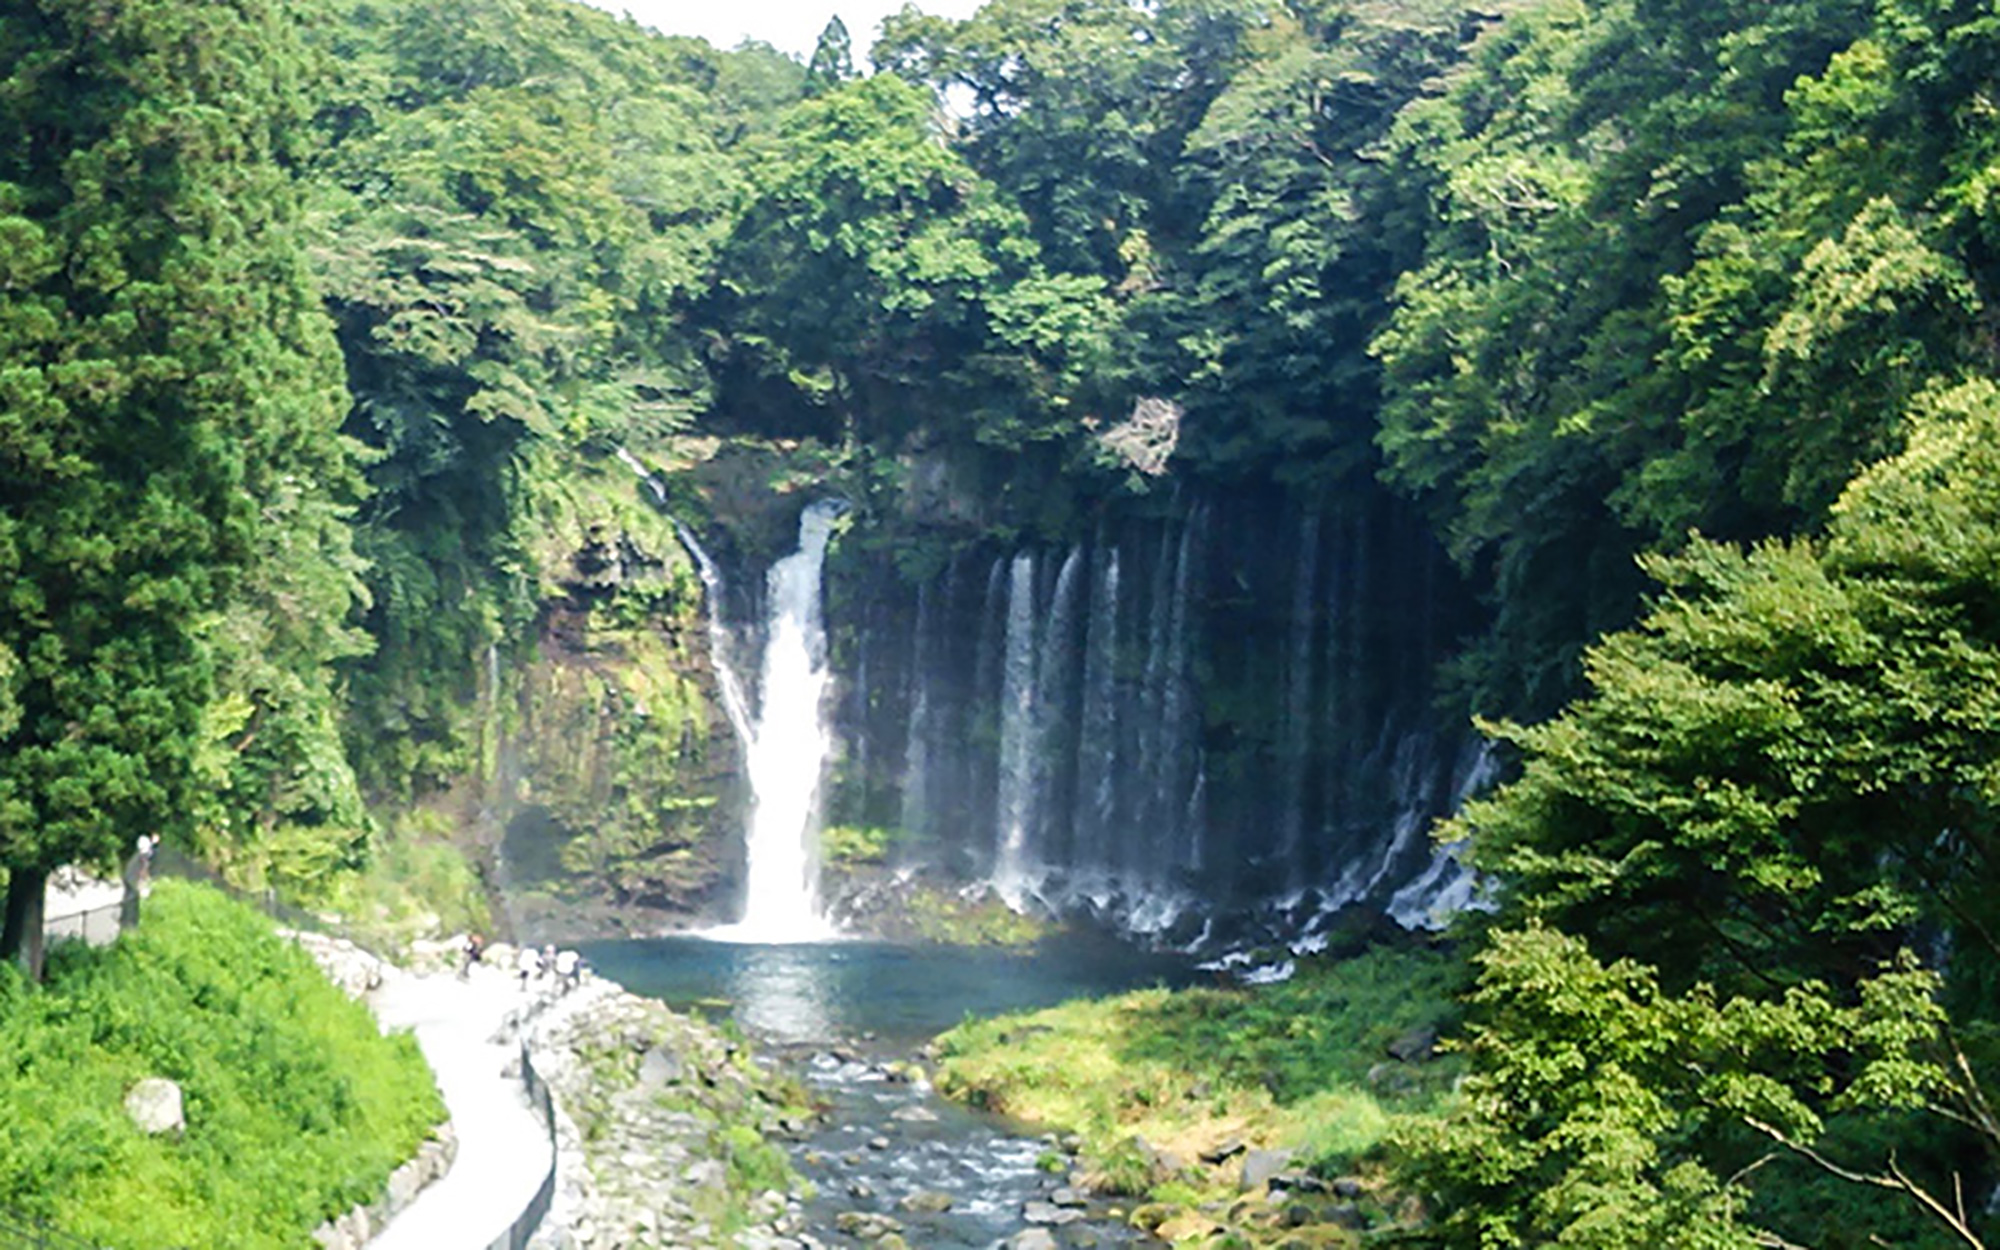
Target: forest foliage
1671,319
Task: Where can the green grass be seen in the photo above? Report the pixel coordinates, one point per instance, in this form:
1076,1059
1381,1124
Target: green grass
297,1108
1151,1079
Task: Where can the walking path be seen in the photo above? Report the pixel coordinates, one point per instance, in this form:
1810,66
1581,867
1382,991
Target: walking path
503,1148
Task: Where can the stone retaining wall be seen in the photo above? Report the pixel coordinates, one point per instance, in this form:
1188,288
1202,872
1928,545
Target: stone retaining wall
354,1230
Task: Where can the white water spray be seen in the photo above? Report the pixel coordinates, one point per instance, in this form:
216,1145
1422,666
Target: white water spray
788,748
1017,736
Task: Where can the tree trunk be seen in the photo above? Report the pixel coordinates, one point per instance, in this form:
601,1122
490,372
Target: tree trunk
21,937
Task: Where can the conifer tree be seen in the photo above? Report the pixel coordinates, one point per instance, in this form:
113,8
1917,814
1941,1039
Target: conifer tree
169,396
832,60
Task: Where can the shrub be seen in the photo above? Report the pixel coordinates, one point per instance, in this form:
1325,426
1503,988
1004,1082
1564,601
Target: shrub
297,1108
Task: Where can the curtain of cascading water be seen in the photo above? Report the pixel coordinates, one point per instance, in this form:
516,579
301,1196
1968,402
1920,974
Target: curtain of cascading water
1231,701
1055,690
1097,741
916,813
1298,727
1014,811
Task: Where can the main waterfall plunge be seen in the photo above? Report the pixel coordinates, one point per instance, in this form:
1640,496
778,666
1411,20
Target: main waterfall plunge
787,743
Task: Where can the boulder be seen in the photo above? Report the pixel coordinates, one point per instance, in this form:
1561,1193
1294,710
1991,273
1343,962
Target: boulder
867,1225
1416,1046
660,1067
1259,1166
1224,1151
926,1202
1032,1239
155,1106
1049,1213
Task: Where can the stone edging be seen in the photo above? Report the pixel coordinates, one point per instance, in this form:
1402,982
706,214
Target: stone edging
433,1159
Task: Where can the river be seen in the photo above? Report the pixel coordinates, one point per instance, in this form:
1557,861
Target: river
841,1012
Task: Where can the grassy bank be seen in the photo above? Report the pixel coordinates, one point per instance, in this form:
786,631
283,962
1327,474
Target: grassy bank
1152,1081
296,1107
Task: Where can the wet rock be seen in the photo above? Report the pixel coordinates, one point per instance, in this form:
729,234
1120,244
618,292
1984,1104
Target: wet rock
1049,1213
915,1113
878,1143
1151,1215
1224,1151
1347,1187
1293,1181
1259,1166
925,1202
860,1189
1032,1239
1069,1196
867,1225
1345,1215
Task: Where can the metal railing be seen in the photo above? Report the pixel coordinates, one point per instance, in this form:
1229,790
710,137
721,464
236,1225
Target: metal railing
22,1232
523,1229
98,926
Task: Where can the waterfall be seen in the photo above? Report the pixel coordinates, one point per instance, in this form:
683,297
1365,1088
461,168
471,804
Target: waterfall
1097,738
1298,725
720,646
651,480
1055,683
1448,885
916,813
1217,704
1179,738
1015,804
789,748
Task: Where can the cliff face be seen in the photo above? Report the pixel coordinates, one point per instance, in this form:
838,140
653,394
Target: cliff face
615,774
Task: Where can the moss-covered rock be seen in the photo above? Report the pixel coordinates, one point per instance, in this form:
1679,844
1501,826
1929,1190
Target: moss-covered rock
617,760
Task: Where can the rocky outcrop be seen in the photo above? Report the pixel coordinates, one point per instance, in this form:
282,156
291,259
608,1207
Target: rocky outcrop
662,1131
354,970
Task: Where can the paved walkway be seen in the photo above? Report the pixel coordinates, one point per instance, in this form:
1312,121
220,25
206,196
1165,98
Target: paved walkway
503,1149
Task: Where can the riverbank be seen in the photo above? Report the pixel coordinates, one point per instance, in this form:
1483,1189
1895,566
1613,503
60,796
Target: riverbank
1254,1114
667,1130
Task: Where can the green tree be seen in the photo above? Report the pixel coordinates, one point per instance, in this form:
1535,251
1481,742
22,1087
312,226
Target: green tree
519,204
170,396
1732,876
832,60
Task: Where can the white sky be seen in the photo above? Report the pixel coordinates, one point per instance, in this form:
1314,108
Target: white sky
789,25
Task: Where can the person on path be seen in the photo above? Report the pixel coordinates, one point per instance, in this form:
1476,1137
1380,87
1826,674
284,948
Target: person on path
475,946
566,970
529,965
